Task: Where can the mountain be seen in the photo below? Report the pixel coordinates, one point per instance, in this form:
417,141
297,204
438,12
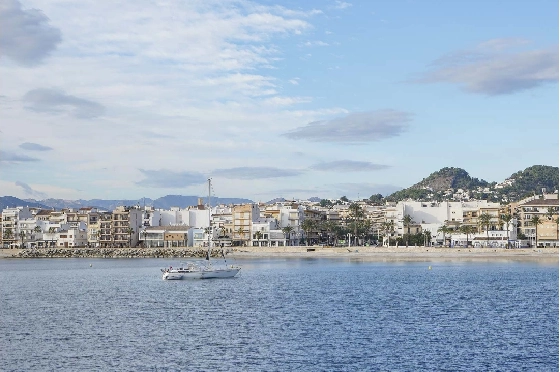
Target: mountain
446,183
164,202
12,202
181,201
96,203
531,181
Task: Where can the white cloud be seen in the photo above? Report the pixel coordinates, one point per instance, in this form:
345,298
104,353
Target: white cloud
34,147
56,101
30,192
348,166
315,43
25,34
341,4
488,69
355,128
249,173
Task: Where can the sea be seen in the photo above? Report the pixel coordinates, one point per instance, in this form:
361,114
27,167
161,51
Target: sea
279,314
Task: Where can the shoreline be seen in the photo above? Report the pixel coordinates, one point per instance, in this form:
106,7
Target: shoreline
353,253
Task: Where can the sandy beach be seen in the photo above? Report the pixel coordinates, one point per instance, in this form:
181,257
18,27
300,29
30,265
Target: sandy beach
402,253
351,253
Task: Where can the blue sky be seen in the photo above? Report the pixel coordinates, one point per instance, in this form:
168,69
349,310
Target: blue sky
273,98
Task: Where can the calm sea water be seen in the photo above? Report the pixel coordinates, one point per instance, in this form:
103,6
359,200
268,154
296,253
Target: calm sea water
279,315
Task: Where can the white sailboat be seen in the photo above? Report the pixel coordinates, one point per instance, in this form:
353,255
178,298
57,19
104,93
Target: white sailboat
202,269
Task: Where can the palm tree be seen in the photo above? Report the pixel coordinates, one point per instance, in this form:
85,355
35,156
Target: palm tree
536,220
259,236
130,231
550,213
52,231
506,219
445,230
38,230
427,236
389,228
144,233
356,213
97,236
467,230
407,221
8,234
307,226
329,226
287,232
485,220
22,236
241,232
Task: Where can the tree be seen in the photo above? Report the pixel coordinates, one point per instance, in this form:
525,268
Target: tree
37,229
288,232
356,213
22,236
536,220
8,234
389,228
427,237
444,229
130,231
485,220
550,213
407,221
52,231
467,230
329,227
325,203
506,219
344,199
307,226
241,233
144,233
258,235
376,198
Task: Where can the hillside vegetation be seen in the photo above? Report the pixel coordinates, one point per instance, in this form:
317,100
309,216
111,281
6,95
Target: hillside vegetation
446,183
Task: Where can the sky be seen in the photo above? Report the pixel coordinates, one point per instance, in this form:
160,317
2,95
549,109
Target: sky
271,99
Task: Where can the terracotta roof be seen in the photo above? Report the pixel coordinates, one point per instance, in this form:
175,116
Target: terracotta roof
541,202
168,228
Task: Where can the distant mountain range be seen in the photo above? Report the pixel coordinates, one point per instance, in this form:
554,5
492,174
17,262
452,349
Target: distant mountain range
165,202
437,186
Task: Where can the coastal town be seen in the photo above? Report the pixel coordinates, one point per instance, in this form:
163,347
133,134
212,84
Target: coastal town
530,222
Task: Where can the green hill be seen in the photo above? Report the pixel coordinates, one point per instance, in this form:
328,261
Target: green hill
441,185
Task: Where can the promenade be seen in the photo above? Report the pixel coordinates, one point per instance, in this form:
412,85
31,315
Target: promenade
364,253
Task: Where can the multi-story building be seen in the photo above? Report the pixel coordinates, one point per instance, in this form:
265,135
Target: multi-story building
545,208
10,225
243,217
126,222
72,237
105,238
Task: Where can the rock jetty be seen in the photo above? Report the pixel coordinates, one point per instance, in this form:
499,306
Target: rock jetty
184,252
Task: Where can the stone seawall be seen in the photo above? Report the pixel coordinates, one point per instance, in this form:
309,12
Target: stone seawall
107,253
384,253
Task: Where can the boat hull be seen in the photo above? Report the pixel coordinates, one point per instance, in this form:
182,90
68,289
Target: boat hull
221,273
202,274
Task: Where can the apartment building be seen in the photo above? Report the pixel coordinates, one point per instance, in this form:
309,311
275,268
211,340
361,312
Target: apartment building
126,222
10,225
545,207
243,217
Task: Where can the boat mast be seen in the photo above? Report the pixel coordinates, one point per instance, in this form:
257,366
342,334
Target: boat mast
209,215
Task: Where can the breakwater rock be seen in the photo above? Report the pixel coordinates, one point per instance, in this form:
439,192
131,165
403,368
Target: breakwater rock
192,252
